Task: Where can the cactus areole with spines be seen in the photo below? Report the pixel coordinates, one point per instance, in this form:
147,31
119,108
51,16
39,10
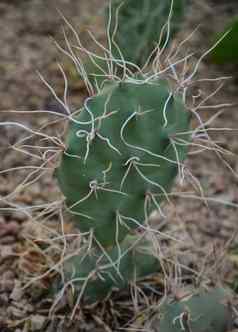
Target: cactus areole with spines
122,157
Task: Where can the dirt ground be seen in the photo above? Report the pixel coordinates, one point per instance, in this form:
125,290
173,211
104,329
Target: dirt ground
207,228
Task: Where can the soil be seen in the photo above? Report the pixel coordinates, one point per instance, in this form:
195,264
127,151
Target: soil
207,228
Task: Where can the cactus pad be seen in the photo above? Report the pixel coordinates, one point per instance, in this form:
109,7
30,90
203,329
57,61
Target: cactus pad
136,26
121,157
97,272
204,312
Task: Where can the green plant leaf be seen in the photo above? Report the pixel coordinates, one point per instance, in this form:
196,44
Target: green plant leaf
227,50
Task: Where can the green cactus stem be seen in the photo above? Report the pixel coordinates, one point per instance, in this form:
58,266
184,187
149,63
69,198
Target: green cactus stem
98,271
136,26
203,312
122,157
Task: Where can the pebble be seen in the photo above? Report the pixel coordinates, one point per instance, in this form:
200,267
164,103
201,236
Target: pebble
236,322
7,240
9,228
37,322
3,300
7,281
23,305
6,251
15,312
19,309
17,292
19,216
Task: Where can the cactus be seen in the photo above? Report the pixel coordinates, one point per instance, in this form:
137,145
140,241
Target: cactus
121,160
208,312
119,164
98,272
137,31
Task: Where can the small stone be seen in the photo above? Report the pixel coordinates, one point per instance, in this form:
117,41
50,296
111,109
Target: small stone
19,216
7,240
10,228
37,322
7,281
6,251
17,292
23,305
236,322
3,300
15,312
